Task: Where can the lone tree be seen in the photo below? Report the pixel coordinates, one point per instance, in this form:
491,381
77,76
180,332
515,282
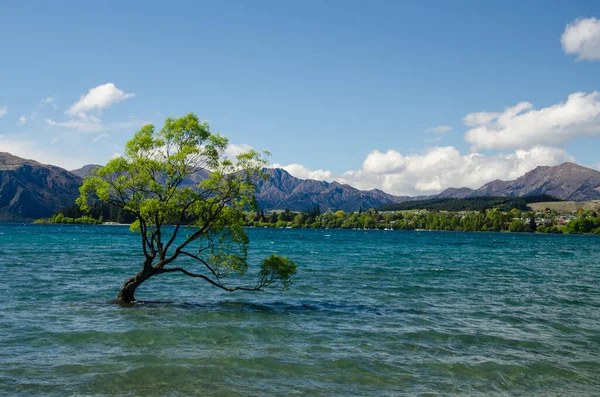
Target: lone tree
157,181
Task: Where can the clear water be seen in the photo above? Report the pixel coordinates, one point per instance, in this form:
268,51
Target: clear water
371,313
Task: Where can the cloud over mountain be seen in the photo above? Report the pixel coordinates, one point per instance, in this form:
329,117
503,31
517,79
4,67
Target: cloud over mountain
435,169
300,171
521,138
441,167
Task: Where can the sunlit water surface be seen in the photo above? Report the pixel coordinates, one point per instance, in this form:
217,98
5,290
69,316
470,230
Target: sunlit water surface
371,313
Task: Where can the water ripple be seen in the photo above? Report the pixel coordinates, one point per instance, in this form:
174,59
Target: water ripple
370,313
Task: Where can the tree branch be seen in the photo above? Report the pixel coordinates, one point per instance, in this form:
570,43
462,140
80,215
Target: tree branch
181,217
202,276
203,262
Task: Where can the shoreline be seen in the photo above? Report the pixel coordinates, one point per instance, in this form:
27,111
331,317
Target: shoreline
419,230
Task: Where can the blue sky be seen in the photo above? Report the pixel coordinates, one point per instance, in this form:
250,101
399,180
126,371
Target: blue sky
336,90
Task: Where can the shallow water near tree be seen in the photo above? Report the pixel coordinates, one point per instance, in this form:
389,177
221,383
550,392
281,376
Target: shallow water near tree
370,313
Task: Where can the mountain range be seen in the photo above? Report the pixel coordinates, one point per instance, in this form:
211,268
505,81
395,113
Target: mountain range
30,190
567,181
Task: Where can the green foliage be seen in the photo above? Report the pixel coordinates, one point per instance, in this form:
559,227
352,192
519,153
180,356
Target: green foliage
549,229
582,225
281,224
98,213
517,225
153,182
61,219
277,269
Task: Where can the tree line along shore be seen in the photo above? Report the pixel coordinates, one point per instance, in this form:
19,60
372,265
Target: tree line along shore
486,220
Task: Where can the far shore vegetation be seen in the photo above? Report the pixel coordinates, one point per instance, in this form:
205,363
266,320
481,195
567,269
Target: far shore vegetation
494,215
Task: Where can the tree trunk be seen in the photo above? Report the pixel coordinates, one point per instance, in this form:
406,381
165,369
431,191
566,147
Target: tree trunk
126,294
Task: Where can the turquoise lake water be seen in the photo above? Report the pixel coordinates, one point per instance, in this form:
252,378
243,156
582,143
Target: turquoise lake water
370,313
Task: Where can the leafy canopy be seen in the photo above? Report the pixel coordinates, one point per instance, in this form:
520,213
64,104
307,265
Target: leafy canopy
179,178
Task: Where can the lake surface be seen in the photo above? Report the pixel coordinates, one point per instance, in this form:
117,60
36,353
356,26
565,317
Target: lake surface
370,313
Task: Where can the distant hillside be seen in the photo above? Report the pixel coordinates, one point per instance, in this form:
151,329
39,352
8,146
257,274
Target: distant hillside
451,192
85,170
283,190
567,206
30,190
567,181
469,204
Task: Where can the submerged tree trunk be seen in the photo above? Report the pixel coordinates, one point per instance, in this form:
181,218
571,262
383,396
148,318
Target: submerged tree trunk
126,294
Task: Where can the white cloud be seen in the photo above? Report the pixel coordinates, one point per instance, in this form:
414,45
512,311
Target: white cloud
22,120
582,38
3,111
300,171
479,118
48,101
382,163
115,155
440,129
93,124
83,123
54,140
439,168
521,126
234,150
98,98
103,135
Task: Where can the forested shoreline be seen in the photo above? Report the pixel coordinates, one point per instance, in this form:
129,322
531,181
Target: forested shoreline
486,220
